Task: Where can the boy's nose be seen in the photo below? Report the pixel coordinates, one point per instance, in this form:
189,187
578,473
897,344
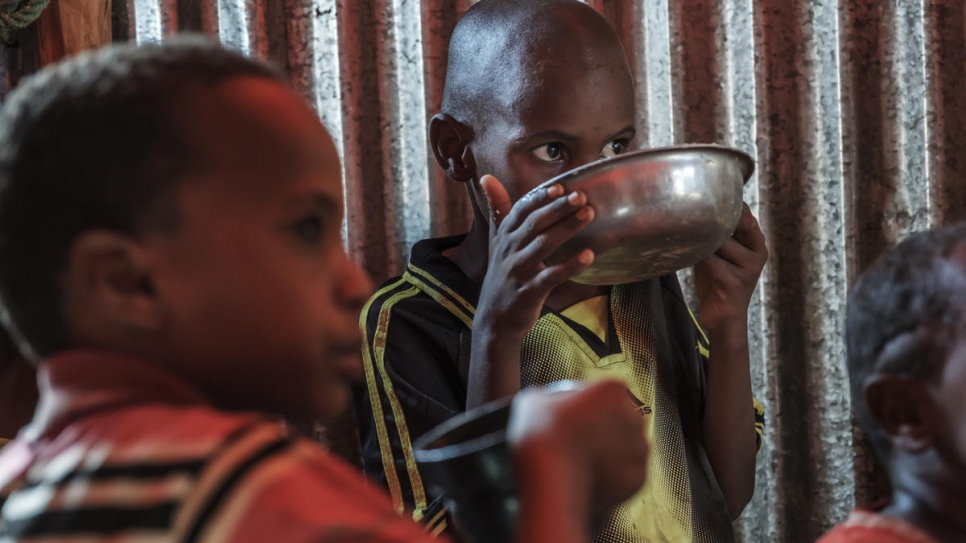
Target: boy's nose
355,286
585,158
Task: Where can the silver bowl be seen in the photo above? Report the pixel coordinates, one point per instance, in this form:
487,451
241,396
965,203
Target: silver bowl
657,210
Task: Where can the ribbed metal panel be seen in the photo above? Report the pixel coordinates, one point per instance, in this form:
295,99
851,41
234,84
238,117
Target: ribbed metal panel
853,109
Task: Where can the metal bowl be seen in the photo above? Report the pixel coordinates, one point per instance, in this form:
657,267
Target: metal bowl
657,210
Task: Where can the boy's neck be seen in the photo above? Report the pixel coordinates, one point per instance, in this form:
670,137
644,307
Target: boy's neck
936,509
472,257
471,254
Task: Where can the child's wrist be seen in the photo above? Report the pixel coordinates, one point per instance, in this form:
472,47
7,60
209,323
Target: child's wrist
727,329
488,334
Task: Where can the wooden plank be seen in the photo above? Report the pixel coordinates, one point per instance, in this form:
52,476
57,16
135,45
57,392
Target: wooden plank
68,27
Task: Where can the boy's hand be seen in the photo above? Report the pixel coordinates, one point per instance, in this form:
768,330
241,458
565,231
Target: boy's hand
522,236
725,280
593,436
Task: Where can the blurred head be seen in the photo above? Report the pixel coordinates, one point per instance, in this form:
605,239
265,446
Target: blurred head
906,352
180,203
534,88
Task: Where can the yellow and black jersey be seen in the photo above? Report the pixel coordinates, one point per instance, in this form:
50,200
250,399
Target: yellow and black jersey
417,331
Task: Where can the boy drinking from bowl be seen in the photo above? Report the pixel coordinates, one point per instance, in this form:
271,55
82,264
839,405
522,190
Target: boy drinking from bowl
170,250
906,352
534,89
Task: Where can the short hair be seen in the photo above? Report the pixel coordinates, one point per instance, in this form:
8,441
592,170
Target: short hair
94,142
904,315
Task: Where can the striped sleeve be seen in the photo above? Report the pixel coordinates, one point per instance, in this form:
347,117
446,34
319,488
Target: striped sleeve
137,491
759,423
306,495
411,385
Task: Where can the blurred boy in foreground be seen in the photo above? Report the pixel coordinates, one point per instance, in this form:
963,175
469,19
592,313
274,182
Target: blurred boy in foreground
170,252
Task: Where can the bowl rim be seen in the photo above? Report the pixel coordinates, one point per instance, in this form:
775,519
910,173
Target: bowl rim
424,452
749,164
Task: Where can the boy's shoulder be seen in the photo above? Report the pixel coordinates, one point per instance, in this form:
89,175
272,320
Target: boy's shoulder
127,446
432,292
146,462
866,526
187,473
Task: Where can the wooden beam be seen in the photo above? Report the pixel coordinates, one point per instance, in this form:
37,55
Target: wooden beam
68,27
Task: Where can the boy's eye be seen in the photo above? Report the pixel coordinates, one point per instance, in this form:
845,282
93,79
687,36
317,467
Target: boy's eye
549,152
309,229
613,148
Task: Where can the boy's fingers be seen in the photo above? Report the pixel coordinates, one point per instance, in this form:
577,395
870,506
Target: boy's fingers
497,198
735,253
553,276
748,232
531,202
549,214
720,271
544,243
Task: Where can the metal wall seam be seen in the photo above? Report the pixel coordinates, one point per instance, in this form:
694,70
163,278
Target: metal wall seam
656,65
149,21
326,66
233,24
825,295
408,159
449,205
741,125
803,293
363,149
945,68
295,46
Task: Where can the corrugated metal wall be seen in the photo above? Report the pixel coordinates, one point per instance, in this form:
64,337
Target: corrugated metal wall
852,107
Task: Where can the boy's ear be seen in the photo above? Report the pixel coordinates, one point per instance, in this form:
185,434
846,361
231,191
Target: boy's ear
904,410
108,274
450,140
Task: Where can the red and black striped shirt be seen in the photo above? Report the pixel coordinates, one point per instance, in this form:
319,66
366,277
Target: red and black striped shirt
123,451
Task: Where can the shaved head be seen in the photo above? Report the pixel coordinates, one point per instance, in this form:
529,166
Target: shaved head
534,88
500,47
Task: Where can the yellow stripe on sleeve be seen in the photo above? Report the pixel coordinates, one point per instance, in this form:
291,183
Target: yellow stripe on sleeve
470,310
442,300
395,491
379,355
759,423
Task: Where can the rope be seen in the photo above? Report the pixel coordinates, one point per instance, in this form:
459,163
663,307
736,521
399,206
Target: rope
17,14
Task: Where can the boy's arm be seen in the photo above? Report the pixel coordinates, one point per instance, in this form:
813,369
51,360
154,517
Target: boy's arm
730,438
725,282
411,385
517,282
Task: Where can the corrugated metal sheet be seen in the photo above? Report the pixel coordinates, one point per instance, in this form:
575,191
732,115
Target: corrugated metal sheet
852,108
